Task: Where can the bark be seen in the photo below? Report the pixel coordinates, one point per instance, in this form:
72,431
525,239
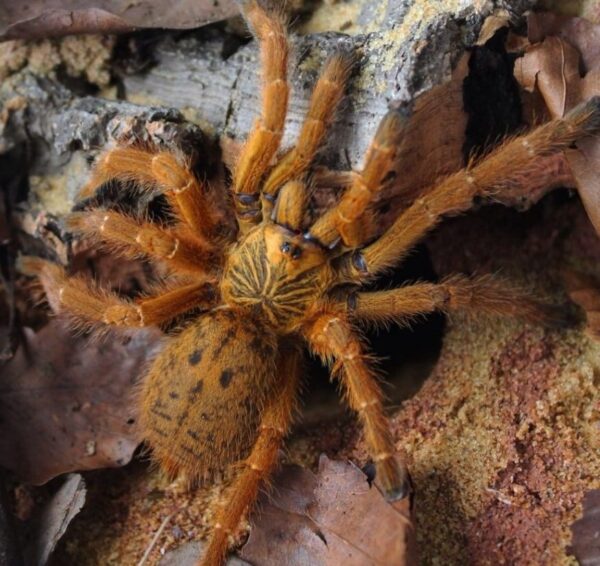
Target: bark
412,50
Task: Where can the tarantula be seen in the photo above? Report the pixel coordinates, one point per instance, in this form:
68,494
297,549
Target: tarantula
223,390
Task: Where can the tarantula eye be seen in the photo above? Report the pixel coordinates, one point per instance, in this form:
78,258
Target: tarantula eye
294,251
358,260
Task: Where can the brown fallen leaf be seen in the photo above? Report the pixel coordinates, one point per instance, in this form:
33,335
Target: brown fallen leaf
585,545
188,554
552,68
54,519
66,403
329,518
42,18
583,34
436,131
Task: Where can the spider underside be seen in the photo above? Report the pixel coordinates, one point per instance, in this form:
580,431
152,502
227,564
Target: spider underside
223,391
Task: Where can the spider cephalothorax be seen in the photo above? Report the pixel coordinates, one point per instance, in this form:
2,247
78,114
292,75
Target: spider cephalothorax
276,273
223,389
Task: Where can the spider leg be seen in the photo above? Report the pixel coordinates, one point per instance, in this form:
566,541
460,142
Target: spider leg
89,304
256,469
177,247
485,294
342,220
184,192
263,141
291,205
330,335
507,167
324,100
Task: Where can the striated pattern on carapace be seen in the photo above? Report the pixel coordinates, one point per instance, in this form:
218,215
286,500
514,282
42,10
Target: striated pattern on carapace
269,289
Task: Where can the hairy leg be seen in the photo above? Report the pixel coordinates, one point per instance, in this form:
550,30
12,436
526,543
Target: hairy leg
171,174
479,295
291,205
89,305
241,495
177,247
331,336
341,220
263,141
507,167
324,100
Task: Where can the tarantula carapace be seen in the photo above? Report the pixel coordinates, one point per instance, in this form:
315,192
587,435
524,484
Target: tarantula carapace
223,390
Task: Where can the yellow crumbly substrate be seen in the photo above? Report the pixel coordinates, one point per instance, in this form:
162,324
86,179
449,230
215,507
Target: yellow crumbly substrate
502,443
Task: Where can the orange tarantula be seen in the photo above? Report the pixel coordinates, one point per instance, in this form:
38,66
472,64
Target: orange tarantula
223,390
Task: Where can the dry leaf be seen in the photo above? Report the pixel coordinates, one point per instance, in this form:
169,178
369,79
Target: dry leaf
66,402
580,33
55,518
551,68
586,531
188,554
498,20
436,134
331,518
42,18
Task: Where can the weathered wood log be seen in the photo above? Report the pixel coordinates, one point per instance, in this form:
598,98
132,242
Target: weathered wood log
409,48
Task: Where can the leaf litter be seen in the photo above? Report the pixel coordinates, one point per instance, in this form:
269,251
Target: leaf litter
561,66
67,403
54,518
40,18
331,517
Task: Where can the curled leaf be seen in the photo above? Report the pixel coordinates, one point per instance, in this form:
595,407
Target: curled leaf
328,518
562,67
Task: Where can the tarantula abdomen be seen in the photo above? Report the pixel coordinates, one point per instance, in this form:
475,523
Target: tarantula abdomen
203,394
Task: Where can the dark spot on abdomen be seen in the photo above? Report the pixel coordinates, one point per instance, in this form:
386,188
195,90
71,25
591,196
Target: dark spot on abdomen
226,339
195,357
159,431
161,414
226,377
261,347
195,391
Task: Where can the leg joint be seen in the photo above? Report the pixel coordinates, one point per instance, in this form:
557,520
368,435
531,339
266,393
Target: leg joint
365,406
278,430
382,456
